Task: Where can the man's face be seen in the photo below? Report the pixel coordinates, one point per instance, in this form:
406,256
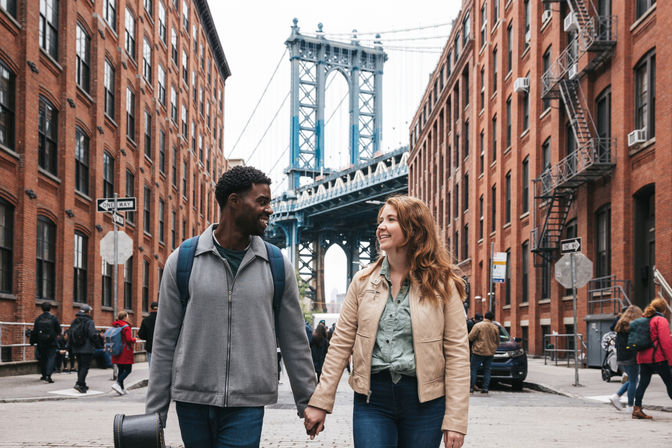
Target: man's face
255,209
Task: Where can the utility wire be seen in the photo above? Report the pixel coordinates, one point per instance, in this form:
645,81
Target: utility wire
258,102
391,31
404,39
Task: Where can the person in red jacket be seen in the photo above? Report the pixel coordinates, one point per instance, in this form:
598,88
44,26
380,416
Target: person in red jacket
124,361
658,358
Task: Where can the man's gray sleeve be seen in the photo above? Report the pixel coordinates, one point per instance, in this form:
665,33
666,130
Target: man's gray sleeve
166,333
294,342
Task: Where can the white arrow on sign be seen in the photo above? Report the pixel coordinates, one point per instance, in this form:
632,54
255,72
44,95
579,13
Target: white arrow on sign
573,245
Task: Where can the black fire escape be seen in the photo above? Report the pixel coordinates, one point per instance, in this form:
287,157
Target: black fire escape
592,39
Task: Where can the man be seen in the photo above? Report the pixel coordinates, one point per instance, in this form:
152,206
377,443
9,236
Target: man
485,340
146,331
216,358
45,334
82,339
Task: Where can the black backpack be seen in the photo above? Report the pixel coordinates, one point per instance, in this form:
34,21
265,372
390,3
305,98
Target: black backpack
78,333
45,330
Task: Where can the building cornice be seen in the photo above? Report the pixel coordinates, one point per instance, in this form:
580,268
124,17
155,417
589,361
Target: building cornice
213,38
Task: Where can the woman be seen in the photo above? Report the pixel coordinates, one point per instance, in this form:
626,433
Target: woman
124,361
658,358
626,358
404,323
318,348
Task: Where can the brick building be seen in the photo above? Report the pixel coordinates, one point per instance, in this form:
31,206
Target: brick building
97,98
525,137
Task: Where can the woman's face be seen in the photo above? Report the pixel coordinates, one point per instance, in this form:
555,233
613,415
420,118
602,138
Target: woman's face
389,233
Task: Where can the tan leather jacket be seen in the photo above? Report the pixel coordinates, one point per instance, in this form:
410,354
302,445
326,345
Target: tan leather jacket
439,341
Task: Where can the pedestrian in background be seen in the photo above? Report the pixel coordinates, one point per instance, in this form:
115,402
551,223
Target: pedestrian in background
627,359
63,354
656,359
319,345
125,360
45,333
82,342
403,317
146,331
485,340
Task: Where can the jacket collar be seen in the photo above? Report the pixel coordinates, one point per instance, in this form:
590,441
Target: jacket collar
206,243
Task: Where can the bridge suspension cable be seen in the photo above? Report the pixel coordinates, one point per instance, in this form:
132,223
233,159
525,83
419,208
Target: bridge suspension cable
249,157
404,30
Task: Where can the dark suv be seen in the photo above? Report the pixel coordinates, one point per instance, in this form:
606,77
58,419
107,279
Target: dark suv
510,362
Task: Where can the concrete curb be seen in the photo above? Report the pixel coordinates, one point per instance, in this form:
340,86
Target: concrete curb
135,385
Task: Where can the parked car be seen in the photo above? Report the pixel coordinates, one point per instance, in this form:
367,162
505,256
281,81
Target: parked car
510,362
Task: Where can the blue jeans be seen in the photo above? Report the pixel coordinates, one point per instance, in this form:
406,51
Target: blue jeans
124,371
394,417
631,385
204,426
476,361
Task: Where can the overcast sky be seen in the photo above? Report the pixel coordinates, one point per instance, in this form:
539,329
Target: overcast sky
253,36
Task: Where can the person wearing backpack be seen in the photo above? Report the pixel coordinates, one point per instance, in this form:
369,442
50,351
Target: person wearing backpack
214,351
146,331
45,334
658,357
81,340
123,360
626,359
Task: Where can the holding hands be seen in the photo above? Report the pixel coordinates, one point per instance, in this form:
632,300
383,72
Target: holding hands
314,421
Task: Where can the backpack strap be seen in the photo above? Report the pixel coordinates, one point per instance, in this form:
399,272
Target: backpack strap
278,273
185,261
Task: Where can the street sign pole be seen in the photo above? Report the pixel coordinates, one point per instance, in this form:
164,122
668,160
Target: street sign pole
576,336
491,293
116,258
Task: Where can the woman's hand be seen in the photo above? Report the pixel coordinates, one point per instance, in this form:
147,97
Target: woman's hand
314,421
453,439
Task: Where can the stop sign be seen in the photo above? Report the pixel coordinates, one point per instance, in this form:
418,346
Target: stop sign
583,266
124,247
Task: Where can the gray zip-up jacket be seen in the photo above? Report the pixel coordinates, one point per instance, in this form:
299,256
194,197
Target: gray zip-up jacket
225,354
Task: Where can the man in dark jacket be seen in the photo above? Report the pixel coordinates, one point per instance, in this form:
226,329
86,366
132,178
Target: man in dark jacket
82,336
45,334
146,331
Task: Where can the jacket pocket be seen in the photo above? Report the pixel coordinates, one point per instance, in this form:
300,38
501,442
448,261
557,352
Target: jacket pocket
431,359
359,353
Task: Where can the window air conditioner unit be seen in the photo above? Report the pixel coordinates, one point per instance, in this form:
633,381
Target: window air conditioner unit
521,85
546,16
573,71
636,137
571,24
528,37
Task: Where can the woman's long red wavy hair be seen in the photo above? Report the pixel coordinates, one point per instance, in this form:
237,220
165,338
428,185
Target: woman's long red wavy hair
430,264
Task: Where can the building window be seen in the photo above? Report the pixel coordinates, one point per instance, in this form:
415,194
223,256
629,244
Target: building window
147,61
46,259
129,24
456,203
147,210
162,209
528,14
508,122
128,284
161,75
81,161
162,22
148,135
7,105
185,15
546,62
480,221
603,241
546,155
484,23
173,104
49,27
495,12
185,128
47,150
482,88
507,280
194,37
465,189
494,138
6,246
148,7
546,279
466,30
509,48
83,59
109,89
130,114
174,168
173,223
185,67
106,298
494,71
162,151
145,285
493,207
525,99
108,175
481,162
110,15
643,6
507,210
525,200
130,192
524,267
81,245
9,6
465,242
645,94
173,45
184,179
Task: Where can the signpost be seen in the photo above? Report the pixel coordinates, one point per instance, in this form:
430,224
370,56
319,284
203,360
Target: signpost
115,205
497,272
573,270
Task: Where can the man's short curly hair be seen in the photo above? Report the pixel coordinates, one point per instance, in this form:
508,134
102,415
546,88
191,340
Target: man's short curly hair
238,179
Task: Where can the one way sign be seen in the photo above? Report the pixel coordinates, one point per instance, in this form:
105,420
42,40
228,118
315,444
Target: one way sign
123,204
570,245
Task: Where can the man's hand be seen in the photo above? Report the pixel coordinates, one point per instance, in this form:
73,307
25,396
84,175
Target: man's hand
314,421
453,439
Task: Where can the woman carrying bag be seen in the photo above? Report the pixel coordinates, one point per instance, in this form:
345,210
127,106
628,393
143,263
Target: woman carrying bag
404,323
627,359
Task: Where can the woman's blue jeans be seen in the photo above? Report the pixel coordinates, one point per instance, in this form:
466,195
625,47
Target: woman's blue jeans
393,416
631,385
204,426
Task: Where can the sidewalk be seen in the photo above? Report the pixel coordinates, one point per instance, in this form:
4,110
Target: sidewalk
560,380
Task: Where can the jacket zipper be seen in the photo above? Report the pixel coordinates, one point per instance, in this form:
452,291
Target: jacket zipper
368,396
228,349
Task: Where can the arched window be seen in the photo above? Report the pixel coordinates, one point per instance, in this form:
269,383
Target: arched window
81,246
